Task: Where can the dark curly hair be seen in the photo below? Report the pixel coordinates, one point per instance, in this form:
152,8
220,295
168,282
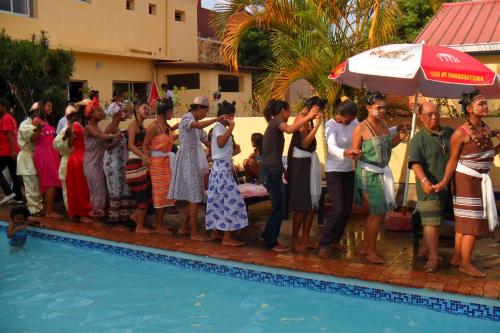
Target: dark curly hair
467,99
372,96
226,108
273,108
315,100
164,106
347,109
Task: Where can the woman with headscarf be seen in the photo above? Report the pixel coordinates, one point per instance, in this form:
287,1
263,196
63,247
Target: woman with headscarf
46,158
471,158
120,203
95,145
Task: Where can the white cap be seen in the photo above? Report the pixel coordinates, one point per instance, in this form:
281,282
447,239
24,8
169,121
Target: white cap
201,100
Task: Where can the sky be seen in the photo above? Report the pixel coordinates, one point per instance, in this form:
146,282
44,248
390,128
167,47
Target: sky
210,3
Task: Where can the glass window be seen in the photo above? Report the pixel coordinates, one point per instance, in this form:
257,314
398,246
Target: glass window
5,5
130,4
188,81
16,6
152,9
229,83
180,16
133,90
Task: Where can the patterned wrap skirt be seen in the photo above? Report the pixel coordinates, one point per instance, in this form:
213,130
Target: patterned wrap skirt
226,208
138,181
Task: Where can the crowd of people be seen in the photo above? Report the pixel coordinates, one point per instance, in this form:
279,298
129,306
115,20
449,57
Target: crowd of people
118,176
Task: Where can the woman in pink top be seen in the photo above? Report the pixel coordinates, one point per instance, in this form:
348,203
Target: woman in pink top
46,158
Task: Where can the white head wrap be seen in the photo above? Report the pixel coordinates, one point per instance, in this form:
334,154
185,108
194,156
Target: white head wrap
114,108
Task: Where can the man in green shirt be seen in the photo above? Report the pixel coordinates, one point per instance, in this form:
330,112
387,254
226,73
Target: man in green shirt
429,153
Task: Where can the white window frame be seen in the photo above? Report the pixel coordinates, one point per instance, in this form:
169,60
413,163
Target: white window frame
28,8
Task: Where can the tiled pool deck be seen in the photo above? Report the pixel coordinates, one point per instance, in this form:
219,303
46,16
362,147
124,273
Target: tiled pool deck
401,267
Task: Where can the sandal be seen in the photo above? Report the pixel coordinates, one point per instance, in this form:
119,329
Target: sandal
431,265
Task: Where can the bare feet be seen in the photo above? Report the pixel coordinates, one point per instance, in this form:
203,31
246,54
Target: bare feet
374,258
310,245
85,219
339,247
215,235
53,215
471,270
199,238
232,242
297,246
120,227
455,261
323,253
162,230
280,249
143,230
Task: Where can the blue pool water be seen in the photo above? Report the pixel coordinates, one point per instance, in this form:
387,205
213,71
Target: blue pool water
50,287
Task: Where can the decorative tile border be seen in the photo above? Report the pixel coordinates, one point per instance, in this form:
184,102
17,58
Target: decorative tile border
454,307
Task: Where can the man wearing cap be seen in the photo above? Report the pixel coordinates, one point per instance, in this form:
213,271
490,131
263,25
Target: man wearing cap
61,144
429,153
25,165
8,154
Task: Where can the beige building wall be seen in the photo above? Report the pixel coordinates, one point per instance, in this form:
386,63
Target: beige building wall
105,27
208,85
182,37
100,71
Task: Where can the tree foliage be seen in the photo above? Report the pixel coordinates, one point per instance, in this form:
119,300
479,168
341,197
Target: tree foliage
307,37
255,48
415,15
31,71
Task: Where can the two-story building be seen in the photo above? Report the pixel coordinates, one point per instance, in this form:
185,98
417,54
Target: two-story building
128,44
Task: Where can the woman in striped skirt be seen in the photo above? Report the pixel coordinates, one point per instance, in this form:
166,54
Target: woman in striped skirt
157,145
471,158
136,173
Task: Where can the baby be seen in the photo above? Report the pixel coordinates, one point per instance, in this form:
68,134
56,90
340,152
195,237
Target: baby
17,231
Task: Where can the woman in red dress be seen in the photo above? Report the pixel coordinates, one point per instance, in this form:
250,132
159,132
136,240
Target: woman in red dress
76,182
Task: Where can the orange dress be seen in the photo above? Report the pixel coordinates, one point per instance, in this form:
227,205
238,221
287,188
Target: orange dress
160,171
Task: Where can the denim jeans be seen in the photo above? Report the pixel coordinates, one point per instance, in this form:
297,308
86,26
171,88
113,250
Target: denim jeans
273,182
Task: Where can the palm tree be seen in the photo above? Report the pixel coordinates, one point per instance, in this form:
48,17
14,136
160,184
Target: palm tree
307,37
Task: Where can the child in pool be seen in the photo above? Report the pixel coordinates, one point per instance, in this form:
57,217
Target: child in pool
17,231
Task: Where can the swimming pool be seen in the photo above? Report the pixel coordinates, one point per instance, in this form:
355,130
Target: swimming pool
59,283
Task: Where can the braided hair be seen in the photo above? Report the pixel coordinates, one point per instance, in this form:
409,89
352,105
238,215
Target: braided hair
467,99
372,96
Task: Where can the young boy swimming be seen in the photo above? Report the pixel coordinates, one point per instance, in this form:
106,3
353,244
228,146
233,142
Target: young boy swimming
17,231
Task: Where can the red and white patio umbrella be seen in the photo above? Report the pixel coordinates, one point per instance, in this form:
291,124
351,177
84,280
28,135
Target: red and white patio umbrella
403,69
410,69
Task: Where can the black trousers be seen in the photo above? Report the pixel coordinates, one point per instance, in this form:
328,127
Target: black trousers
11,164
341,189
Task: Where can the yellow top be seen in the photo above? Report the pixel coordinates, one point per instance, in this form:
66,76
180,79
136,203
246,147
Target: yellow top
62,146
25,165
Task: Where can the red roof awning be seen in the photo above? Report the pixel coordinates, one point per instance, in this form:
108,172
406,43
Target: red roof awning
473,23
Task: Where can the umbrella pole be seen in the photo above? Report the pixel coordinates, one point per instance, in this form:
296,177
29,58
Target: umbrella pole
407,176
